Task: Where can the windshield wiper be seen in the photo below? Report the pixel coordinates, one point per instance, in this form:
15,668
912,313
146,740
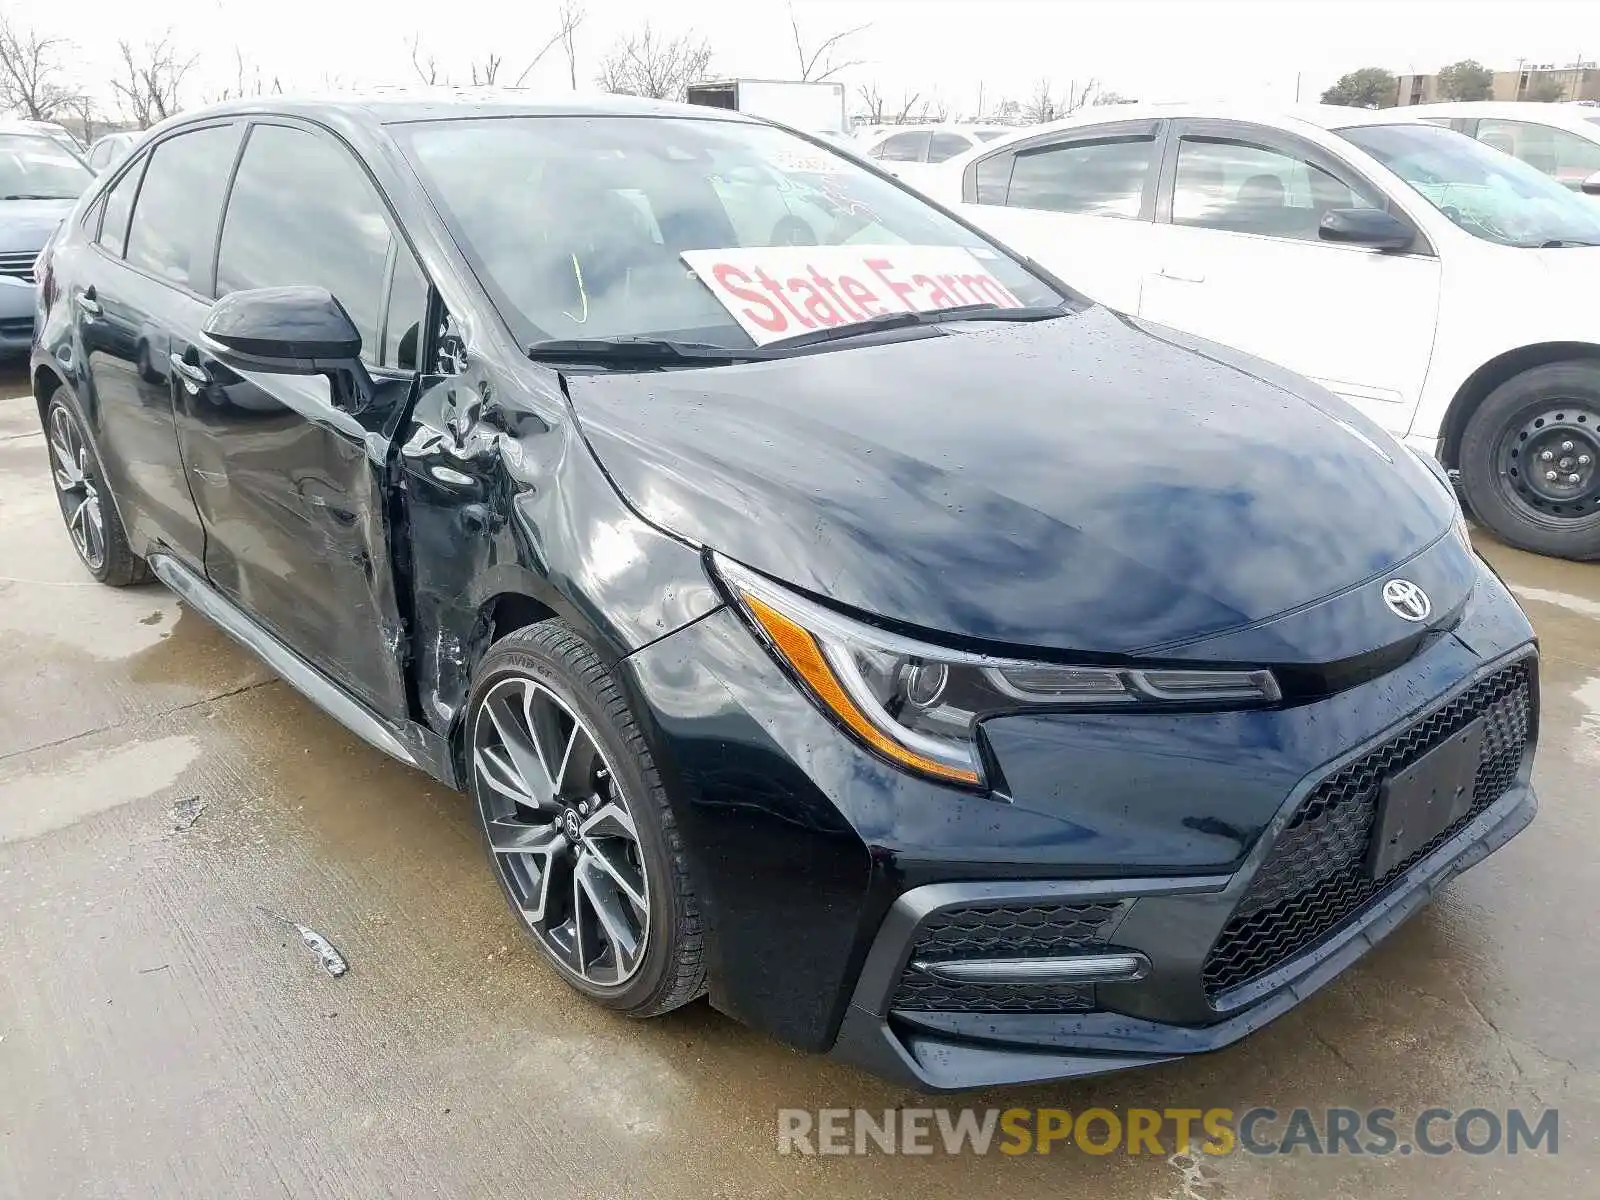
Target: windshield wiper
635,351
36,196
931,316
1562,243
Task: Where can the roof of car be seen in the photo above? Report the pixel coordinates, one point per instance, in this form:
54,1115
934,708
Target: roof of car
1577,115
430,104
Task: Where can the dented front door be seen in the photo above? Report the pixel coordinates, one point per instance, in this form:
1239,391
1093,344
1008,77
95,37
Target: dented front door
290,492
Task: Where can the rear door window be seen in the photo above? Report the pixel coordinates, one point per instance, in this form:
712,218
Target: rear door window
946,145
303,211
174,224
1102,178
902,147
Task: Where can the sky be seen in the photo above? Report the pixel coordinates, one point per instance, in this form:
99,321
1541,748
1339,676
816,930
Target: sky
1245,50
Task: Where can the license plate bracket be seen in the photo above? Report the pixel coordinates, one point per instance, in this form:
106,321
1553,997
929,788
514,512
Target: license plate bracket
1417,804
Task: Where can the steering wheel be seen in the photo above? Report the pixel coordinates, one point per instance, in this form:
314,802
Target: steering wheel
792,231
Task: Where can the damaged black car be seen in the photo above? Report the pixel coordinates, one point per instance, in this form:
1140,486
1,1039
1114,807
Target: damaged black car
825,609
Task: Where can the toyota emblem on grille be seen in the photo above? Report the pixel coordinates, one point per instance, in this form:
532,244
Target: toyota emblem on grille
1406,600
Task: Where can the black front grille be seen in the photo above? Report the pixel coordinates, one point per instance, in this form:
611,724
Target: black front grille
1015,930
1315,879
18,264
16,326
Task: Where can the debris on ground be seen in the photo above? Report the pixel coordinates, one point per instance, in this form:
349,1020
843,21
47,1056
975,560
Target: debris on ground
332,961
185,813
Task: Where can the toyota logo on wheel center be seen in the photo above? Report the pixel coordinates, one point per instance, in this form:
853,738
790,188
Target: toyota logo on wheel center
570,825
1406,600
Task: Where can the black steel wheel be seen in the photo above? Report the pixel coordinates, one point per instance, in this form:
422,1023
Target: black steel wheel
577,825
91,518
1530,461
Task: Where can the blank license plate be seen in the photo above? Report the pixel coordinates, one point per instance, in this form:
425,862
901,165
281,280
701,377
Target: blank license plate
1419,803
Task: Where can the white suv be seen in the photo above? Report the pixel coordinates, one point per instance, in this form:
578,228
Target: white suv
1441,287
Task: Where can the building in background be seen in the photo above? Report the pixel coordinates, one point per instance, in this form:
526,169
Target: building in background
1576,81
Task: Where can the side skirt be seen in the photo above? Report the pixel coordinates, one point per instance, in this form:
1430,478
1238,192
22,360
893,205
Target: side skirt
411,743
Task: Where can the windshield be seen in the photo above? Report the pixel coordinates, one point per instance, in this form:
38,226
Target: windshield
1489,194
577,225
39,168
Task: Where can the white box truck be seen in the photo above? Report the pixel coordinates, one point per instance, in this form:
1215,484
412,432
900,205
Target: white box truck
810,107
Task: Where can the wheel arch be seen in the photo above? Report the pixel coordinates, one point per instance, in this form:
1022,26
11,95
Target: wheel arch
1472,393
46,379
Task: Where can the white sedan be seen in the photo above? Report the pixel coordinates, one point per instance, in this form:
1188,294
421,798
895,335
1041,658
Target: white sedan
910,152
1441,287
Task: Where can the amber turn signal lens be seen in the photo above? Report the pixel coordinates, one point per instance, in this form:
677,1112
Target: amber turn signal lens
800,650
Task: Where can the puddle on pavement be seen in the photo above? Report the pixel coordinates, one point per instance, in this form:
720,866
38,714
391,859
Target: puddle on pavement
1581,605
1586,740
34,802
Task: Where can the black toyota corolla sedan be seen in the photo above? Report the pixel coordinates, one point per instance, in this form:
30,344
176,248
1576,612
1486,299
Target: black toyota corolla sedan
824,608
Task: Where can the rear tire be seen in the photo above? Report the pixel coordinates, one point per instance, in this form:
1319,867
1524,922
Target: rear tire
87,507
1530,461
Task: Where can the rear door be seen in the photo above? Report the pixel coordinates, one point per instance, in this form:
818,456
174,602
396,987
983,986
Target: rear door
1239,261
1081,202
151,271
292,489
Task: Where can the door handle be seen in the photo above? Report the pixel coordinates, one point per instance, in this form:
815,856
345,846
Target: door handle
89,305
1179,277
194,375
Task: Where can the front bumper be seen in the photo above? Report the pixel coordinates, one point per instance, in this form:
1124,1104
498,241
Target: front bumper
818,864
951,1052
16,316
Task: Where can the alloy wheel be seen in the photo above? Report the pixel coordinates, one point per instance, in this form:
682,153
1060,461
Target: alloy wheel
80,499
561,832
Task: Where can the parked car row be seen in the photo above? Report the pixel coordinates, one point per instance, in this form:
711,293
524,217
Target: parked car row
1439,286
825,608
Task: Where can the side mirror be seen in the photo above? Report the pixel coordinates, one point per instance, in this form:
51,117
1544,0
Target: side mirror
1591,185
291,331
1371,227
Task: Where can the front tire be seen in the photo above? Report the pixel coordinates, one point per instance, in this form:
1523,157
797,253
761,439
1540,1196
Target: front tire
1530,461
86,505
577,824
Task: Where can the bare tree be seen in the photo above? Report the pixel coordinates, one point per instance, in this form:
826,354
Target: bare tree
427,69
247,81
872,99
571,16
647,64
1041,106
484,74
31,72
83,110
818,65
151,80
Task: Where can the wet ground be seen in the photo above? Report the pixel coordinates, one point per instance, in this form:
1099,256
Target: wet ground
166,806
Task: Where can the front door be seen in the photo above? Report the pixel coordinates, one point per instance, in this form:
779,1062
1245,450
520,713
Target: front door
1238,260
291,487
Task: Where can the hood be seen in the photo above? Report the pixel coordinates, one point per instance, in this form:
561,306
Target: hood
26,225
1088,484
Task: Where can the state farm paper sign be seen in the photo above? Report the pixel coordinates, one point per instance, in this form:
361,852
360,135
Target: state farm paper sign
779,291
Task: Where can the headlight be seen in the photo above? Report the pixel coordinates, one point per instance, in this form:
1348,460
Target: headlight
919,705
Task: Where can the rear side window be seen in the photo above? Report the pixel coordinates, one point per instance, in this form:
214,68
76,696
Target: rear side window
946,145
119,207
1100,178
303,212
175,220
902,147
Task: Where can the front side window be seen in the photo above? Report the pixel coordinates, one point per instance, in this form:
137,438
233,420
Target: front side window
40,168
1104,178
1245,188
403,339
175,217
942,146
1565,157
118,208
577,225
902,147
303,212
1488,194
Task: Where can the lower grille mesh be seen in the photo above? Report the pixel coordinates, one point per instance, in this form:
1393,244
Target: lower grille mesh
1314,878
1018,930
